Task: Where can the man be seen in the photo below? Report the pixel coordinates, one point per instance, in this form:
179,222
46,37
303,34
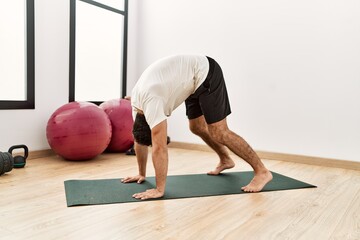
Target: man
198,81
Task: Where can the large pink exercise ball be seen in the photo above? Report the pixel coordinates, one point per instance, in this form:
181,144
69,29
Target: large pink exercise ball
79,131
120,114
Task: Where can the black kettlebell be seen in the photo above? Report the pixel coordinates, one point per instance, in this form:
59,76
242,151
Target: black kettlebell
19,161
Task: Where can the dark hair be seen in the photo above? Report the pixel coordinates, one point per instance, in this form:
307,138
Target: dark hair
141,130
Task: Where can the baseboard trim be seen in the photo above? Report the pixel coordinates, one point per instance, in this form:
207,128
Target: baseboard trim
318,161
41,154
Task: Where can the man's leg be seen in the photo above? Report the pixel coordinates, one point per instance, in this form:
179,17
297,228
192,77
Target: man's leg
199,127
222,134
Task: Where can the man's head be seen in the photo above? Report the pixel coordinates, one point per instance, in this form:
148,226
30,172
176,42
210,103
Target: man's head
141,130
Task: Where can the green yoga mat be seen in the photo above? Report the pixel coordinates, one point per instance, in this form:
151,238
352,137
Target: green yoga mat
106,191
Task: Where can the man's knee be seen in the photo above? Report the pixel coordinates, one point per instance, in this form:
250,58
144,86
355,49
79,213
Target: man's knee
217,135
218,132
198,129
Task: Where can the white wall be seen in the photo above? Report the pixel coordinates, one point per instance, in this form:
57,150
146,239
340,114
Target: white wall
51,78
292,67
51,75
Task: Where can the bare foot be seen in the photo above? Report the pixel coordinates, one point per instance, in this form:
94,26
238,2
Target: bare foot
224,164
258,182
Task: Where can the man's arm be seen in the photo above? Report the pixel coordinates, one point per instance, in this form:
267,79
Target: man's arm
160,161
141,156
160,154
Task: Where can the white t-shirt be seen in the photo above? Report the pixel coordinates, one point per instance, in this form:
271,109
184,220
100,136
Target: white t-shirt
167,83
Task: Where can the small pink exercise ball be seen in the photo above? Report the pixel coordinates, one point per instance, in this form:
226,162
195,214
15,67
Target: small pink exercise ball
78,131
120,115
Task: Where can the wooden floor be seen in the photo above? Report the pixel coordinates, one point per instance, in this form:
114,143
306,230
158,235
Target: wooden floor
33,204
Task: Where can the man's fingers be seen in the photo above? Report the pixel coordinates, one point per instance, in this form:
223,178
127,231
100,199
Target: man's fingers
138,179
137,195
148,194
124,180
140,196
127,180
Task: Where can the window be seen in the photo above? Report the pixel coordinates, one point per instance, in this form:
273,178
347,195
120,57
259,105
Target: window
17,54
98,50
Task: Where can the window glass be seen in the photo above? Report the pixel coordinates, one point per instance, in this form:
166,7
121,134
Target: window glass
12,49
98,53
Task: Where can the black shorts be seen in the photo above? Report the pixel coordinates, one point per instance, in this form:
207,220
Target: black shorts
211,98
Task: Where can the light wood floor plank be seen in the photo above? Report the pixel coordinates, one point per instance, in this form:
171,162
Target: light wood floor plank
350,219
33,204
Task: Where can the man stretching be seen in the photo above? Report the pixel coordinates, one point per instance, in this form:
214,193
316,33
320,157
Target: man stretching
198,81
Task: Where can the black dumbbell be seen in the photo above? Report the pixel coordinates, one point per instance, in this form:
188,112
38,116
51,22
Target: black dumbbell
6,162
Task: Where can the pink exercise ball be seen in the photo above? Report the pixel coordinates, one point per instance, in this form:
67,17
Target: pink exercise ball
79,131
120,115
